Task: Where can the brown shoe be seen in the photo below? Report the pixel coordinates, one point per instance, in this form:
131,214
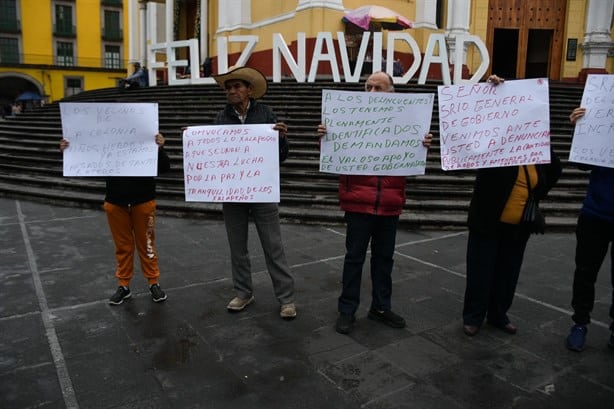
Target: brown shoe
288,311
239,304
471,330
508,328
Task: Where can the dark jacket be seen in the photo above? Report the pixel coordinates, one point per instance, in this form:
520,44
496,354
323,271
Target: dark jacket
492,189
133,190
139,79
256,114
599,200
379,195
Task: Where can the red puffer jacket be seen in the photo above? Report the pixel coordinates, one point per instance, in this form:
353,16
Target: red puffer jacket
379,195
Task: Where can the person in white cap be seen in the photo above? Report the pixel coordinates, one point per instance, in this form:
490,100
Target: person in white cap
243,87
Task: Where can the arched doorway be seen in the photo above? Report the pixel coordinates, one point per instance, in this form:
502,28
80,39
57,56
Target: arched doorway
525,39
13,84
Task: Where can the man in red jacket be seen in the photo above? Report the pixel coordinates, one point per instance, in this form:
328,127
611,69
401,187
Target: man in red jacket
372,206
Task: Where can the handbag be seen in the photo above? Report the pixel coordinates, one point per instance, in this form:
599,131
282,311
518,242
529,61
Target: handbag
532,218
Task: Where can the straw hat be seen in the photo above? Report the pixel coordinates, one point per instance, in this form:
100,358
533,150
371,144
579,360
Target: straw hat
251,75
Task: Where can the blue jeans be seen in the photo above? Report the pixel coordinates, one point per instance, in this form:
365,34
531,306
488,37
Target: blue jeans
266,218
493,267
381,231
593,238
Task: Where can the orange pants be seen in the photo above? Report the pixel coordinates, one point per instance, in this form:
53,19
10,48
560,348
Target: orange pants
130,226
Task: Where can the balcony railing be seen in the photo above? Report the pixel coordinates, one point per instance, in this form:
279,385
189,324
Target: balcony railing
9,58
112,3
50,60
10,26
64,30
112,35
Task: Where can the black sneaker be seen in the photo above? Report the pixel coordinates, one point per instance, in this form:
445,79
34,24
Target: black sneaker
387,317
345,323
611,343
156,293
120,295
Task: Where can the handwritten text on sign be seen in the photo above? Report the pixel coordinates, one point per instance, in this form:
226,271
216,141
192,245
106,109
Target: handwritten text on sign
231,163
487,126
374,133
110,139
593,139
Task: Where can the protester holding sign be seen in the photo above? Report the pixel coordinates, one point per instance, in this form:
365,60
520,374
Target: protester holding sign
243,86
498,237
130,207
594,234
372,206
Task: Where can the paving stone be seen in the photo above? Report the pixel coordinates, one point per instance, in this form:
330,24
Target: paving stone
57,328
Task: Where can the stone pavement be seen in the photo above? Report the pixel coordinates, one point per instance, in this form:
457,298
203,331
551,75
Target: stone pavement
62,345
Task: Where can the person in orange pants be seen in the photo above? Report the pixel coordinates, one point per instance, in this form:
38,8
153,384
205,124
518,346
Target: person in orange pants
130,207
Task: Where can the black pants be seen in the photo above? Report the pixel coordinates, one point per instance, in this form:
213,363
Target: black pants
381,232
593,238
128,84
493,267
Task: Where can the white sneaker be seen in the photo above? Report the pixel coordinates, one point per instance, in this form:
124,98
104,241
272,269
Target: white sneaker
239,304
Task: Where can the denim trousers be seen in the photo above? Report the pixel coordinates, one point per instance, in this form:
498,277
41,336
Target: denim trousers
266,219
361,229
493,267
593,238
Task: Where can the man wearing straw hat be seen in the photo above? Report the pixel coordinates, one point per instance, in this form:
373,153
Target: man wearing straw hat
243,86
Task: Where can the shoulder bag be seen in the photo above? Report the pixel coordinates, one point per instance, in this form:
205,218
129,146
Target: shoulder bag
532,218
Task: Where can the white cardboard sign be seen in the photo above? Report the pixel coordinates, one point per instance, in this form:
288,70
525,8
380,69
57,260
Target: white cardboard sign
485,125
110,139
231,163
374,133
593,138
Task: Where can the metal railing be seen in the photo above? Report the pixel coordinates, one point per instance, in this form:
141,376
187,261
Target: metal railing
9,58
10,26
50,60
112,35
113,3
64,30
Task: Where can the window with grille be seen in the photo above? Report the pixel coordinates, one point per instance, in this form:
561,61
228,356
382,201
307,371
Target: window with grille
64,53
72,85
112,27
8,9
9,50
112,55
8,16
64,20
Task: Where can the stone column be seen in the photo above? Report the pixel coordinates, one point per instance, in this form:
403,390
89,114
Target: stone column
426,14
457,24
169,23
597,40
133,35
143,32
234,14
204,29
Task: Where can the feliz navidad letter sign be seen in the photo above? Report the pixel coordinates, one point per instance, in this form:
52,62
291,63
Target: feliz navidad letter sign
304,67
